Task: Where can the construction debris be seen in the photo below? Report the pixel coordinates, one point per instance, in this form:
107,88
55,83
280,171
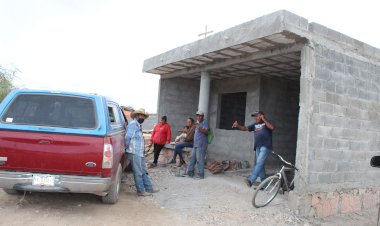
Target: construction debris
218,167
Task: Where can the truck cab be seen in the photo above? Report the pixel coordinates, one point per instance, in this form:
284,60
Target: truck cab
61,142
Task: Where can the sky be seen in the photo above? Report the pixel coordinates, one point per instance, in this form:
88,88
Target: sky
99,46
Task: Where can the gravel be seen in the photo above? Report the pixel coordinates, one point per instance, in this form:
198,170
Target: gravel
222,199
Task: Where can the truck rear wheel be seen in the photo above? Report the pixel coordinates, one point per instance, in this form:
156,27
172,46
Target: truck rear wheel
113,193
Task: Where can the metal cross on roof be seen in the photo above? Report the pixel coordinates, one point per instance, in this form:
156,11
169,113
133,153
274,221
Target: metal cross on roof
206,32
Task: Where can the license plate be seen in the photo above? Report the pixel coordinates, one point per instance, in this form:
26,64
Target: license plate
43,180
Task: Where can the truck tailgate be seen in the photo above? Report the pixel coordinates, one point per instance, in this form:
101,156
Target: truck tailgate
51,153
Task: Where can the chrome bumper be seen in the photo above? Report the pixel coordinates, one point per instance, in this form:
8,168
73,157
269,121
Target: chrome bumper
62,183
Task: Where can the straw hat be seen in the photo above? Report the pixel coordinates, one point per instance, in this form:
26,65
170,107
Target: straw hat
140,111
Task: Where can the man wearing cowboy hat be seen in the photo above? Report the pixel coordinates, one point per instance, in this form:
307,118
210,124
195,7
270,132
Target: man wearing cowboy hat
262,130
200,146
134,146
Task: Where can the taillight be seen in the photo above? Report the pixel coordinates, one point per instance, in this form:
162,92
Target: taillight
107,156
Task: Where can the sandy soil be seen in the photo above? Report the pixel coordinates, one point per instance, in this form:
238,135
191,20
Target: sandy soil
80,209
217,200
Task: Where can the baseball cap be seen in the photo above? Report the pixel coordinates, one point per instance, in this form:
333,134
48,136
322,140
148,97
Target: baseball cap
200,113
256,113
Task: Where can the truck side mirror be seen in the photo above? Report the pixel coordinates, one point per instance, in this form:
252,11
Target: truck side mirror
375,161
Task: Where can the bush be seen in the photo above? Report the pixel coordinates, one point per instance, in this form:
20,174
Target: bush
6,79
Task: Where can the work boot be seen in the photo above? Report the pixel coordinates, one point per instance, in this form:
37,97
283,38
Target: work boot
172,161
256,183
248,182
144,194
154,190
200,176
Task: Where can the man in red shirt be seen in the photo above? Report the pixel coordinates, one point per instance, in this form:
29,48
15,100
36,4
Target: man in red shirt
161,135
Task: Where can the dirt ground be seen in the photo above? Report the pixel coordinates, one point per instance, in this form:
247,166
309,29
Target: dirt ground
217,200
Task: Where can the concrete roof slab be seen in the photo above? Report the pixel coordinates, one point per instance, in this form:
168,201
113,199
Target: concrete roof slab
268,46
271,24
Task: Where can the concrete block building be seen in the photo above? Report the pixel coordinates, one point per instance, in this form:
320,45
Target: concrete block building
320,87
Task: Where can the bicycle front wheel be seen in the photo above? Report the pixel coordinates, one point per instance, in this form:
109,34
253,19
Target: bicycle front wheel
266,191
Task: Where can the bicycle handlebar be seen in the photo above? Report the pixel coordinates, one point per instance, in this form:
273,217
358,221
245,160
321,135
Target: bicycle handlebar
284,161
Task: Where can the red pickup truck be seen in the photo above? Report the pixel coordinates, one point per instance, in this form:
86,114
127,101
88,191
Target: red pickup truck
61,142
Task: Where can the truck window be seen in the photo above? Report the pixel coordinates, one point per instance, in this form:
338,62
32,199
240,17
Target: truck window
51,110
114,115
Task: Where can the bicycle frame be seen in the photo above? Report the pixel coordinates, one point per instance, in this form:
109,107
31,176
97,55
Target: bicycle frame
269,185
284,168
269,188
283,178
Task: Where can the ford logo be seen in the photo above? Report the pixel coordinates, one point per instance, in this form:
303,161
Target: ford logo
90,164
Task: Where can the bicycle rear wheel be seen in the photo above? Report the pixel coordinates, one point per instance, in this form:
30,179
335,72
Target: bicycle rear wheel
266,191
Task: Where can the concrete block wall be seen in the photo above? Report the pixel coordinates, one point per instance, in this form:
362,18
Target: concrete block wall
279,99
233,144
339,133
345,124
359,47
178,99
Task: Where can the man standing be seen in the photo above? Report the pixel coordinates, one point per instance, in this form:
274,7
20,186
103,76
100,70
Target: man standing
262,130
200,146
188,142
134,143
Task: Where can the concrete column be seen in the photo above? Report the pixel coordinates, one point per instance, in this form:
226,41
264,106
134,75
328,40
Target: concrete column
204,92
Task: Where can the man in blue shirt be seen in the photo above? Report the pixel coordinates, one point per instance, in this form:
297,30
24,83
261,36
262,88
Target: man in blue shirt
200,146
134,147
262,130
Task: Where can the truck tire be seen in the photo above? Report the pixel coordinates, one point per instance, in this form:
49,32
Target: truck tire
12,191
113,193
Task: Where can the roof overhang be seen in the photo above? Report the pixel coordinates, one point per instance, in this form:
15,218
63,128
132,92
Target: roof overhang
269,44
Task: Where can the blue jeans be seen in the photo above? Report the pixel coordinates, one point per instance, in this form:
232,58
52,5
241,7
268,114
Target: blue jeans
178,149
262,154
197,156
140,173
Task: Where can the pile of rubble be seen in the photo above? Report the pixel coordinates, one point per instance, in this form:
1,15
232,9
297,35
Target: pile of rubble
218,167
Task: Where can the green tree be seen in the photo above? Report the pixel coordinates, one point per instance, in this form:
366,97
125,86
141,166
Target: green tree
6,81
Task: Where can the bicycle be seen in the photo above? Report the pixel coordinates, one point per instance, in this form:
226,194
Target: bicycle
269,188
